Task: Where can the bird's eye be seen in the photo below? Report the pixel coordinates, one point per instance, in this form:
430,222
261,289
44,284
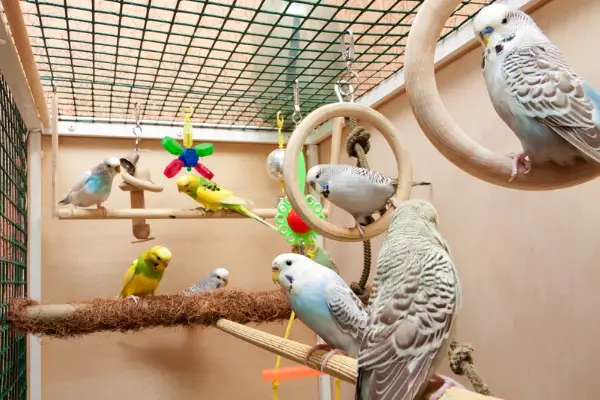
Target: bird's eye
218,277
288,262
505,21
318,175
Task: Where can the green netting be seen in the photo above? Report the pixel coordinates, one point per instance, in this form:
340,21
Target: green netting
13,242
234,61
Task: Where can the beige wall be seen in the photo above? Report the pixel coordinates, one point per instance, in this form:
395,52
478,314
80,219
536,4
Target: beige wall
528,261
87,259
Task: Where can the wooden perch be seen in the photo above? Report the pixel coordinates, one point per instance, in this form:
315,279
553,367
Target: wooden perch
157,213
338,366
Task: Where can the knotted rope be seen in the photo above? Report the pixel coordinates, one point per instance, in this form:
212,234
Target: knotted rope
461,363
358,146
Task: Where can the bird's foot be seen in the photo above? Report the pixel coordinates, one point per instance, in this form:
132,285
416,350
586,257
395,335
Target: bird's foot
321,346
446,383
328,356
201,209
393,202
522,158
134,298
359,228
100,206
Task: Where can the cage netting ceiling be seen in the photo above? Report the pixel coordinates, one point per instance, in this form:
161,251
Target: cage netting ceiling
233,61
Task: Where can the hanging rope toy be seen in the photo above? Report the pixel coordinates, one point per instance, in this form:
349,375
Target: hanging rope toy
187,156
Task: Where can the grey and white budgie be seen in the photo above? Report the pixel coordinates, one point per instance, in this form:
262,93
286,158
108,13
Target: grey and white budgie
554,112
411,318
359,191
218,278
324,302
95,185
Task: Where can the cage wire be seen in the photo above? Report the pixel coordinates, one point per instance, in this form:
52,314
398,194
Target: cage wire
234,61
13,242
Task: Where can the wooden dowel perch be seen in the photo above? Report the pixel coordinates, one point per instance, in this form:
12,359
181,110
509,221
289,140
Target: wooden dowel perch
342,367
157,213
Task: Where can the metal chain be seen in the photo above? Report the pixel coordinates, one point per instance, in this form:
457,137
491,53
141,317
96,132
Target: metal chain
137,129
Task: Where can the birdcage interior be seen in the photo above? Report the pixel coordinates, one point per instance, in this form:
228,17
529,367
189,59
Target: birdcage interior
234,62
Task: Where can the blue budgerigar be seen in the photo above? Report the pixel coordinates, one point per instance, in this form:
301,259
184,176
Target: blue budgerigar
324,302
218,278
95,185
554,112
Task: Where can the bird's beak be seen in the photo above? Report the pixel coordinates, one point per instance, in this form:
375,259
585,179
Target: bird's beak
166,264
275,276
118,169
312,185
179,189
225,281
485,34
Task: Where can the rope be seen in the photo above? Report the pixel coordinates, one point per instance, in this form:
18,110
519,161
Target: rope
288,331
461,363
358,146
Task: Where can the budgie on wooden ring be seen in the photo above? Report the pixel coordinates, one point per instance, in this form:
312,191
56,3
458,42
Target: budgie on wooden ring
359,191
145,273
323,301
214,197
218,278
554,112
95,185
413,307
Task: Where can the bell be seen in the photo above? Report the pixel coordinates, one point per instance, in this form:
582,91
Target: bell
129,162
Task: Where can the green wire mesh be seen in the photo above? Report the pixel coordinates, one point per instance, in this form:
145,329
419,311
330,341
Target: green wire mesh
234,61
13,242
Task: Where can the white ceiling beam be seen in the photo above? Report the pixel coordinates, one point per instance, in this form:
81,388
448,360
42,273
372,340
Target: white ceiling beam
157,130
11,68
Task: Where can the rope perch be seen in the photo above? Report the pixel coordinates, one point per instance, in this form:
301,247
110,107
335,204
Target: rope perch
461,363
121,315
358,146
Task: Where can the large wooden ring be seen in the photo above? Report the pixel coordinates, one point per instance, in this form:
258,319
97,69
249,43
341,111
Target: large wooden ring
447,137
290,168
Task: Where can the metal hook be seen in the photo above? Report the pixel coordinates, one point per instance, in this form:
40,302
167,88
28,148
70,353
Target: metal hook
189,114
338,92
297,116
348,52
280,119
137,114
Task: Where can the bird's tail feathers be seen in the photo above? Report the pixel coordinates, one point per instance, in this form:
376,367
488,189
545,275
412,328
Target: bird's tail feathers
362,385
244,211
66,200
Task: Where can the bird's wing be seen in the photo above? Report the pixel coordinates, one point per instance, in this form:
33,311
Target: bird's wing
82,181
130,274
349,313
235,200
551,92
408,326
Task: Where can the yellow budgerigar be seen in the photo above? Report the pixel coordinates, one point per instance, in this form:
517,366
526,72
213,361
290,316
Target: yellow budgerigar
144,274
213,197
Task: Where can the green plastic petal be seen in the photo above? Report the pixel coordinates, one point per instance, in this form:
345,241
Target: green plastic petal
171,145
301,172
204,149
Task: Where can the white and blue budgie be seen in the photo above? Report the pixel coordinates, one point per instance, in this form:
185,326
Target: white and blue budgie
412,315
324,302
218,278
359,191
553,111
95,185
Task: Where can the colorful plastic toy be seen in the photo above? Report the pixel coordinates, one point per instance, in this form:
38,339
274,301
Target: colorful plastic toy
293,228
187,156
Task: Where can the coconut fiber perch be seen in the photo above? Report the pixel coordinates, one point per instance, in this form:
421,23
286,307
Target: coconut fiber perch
204,309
